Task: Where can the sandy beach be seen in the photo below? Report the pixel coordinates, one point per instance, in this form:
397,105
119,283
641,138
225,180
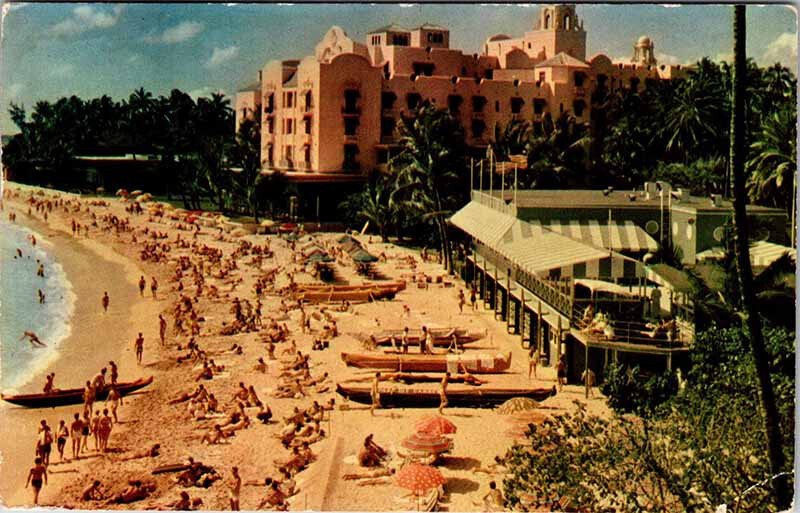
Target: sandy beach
111,261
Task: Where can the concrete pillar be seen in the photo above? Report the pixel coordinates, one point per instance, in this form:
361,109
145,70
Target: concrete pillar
522,317
539,328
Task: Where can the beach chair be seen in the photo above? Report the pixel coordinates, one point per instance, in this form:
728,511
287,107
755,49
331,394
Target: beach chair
431,502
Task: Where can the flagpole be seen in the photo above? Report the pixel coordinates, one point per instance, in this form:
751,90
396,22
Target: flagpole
471,175
480,177
515,184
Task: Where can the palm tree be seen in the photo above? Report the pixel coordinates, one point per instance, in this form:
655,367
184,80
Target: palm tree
214,126
375,205
751,316
428,169
774,163
247,155
558,154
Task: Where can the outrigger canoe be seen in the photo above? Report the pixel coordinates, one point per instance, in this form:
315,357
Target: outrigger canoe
396,285
473,362
442,337
71,395
419,397
409,378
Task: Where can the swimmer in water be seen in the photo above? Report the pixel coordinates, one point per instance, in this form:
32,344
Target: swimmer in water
34,339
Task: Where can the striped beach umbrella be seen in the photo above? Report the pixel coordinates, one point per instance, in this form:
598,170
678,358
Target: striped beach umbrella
424,442
419,478
436,425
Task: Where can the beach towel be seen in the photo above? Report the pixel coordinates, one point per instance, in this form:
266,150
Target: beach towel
452,363
487,361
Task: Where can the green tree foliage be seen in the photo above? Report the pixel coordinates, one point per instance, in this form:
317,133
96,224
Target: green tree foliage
246,154
697,450
630,391
430,170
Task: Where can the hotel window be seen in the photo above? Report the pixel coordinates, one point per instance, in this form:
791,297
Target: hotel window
383,156
478,127
270,156
400,40
541,77
516,105
387,100
309,100
538,105
270,126
387,127
350,153
497,105
579,77
413,100
478,103
350,101
423,68
289,126
577,107
435,37
307,154
270,103
288,100
307,126
634,84
454,102
350,126
488,74
288,153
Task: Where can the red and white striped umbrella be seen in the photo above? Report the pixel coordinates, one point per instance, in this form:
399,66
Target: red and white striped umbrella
419,478
436,425
424,442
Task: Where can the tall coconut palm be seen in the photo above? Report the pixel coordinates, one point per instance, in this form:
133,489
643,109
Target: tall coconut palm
247,155
750,312
774,164
429,169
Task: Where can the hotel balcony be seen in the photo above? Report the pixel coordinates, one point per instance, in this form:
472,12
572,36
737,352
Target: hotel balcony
580,92
351,138
286,164
351,111
304,166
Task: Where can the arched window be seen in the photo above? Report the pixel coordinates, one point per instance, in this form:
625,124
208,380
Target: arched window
547,21
567,23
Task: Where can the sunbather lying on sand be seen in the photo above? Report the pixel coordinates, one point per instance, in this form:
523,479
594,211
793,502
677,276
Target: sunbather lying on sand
152,452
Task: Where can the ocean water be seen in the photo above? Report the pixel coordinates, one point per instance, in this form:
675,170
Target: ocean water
20,310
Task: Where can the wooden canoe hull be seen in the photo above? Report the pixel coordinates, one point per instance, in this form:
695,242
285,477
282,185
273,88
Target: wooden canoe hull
475,363
411,378
356,295
427,397
71,395
396,285
442,337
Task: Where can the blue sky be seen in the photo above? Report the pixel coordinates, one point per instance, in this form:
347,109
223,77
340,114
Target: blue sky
54,50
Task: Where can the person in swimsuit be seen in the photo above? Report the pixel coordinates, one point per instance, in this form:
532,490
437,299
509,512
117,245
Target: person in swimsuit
375,394
86,430
114,372
61,439
36,476
113,401
44,444
162,329
139,347
76,432
443,393
235,486
105,301
142,284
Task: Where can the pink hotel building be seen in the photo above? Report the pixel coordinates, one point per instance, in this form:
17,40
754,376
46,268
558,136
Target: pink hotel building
332,116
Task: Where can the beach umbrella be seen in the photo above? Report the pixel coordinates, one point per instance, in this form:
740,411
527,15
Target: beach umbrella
517,404
137,192
424,442
122,193
363,257
419,478
100,190
144,197
436,425
268,223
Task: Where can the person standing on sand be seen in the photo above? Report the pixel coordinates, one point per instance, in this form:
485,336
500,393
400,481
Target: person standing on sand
61,439
89,396
86,430
375,394
461,301
154,287
35,477
235,485
44,444
106,300
139,348
105,425
561,372
142,284
113,401
443,393
533,360
96,430
473,298
162,329
76,432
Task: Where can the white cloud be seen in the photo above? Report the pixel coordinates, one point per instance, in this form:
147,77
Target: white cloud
181,32
204,91
222,55
86,17
13,91
783,49
724,57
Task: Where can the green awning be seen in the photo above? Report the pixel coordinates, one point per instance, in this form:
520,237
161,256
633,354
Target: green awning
363,257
